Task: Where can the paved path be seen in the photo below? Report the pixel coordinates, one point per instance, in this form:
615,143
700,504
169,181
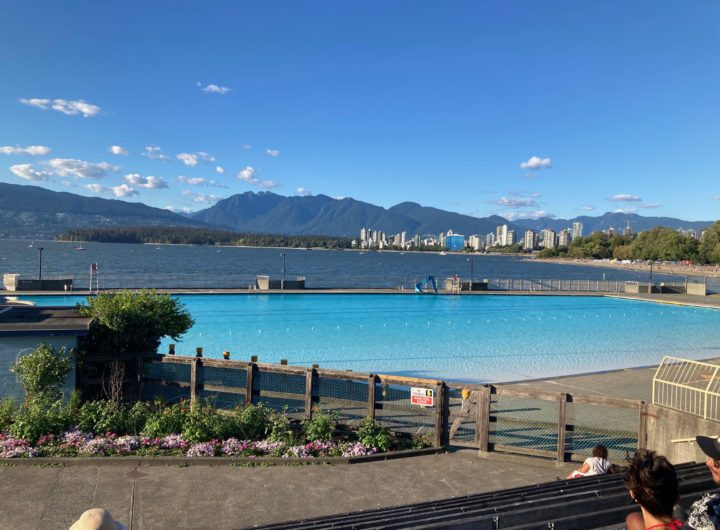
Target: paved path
196,497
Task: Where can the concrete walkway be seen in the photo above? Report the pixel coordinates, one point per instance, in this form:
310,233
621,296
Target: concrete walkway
198,497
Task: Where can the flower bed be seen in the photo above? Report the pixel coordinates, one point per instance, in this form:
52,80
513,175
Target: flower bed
77,444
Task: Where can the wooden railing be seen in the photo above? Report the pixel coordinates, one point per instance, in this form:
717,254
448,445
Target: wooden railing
491,418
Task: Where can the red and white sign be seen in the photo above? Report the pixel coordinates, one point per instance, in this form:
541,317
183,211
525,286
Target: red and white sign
422,396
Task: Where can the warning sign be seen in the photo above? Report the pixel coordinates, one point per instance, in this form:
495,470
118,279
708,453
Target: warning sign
422,396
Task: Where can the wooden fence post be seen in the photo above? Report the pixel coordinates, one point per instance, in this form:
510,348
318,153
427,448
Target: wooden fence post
442,414
193,381
309,377
249,384
562,426
371,396
482,418
642,426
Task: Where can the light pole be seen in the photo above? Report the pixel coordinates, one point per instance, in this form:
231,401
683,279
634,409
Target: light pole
472,262
651,264
282,282
40,267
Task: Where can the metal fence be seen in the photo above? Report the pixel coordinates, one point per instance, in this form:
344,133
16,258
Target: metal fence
582,286
559,426
688,386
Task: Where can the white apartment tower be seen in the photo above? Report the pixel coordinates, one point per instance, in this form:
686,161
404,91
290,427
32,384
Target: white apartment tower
501,235
548,238
577,229
563,239
529,241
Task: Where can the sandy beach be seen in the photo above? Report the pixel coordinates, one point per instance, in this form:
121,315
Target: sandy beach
710,271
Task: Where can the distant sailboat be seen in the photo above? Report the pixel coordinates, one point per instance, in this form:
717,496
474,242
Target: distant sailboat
80,248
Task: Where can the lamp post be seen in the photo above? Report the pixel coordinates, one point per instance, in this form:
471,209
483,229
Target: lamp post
651,264
40,267
472,263
282,282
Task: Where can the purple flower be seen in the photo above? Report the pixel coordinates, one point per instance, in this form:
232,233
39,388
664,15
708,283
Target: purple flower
11,447
203,449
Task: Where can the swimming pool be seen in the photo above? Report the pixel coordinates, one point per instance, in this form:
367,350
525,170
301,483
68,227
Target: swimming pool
458,338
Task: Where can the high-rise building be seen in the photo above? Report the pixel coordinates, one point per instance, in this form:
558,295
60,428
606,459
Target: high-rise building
490,240
455,242
577,229
476,242
548,239
627,231
563,239
510,237
529,241
501,235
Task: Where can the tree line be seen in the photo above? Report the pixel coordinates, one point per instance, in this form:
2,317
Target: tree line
176,235
657,244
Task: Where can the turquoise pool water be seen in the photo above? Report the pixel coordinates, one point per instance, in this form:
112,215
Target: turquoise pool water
460,338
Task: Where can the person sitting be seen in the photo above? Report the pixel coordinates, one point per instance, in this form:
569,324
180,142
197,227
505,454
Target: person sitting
597,464
653,484
97,519
704,514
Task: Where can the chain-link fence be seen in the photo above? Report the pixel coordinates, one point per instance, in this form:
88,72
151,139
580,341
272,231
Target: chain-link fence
490,418
615,427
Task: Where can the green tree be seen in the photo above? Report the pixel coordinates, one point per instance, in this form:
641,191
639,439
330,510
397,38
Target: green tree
42,373
133,321
665,244
709,248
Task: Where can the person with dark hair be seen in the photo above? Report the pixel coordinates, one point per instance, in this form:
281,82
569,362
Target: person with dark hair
653,485
704,514
597,464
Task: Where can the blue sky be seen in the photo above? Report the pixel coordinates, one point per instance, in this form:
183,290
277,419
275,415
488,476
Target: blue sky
516,108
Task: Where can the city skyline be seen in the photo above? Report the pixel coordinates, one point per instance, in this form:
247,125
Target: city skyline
519,110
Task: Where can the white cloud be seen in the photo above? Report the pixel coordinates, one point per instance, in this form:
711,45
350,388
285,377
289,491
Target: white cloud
155,153
123,190
27,172
118,150
64,167
199,181
624,197
272,152
248,175
516,203
33,150
96,188
535,162
245,146
213,89
625,210
340,197
206,199
586,208
537,214
148,182
303,192
220,169
191,159
69,107
717,197
649,205
179,209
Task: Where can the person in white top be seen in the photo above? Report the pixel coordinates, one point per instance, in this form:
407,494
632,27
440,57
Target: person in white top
597,464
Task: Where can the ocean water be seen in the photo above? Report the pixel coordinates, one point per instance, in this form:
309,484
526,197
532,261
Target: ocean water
156,266
487,338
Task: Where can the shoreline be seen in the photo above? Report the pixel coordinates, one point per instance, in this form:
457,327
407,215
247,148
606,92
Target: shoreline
701,271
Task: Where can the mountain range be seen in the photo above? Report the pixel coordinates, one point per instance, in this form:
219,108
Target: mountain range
36,213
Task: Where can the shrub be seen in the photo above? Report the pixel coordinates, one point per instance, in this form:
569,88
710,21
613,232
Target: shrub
137,417
203,424
102,416
42,372
280,429
320,427
7,411
165,420
133,321
371,435
39,417
251,421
